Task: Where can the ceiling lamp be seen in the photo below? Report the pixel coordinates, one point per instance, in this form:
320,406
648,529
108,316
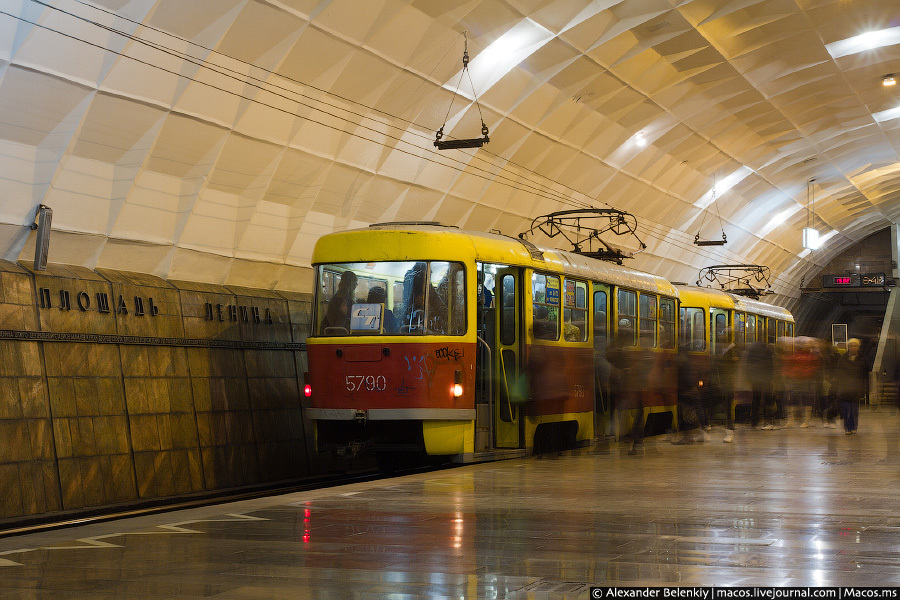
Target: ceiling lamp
810,234
888,80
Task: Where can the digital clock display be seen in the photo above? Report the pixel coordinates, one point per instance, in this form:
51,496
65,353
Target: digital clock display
845,280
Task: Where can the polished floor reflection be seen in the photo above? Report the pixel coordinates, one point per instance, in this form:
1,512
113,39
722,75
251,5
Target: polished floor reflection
798,507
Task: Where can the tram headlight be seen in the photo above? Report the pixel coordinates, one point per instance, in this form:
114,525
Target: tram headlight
457,388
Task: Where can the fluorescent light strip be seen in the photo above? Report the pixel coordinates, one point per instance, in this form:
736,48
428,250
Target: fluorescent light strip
865,41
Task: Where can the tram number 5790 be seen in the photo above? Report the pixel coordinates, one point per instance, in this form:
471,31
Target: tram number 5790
371,383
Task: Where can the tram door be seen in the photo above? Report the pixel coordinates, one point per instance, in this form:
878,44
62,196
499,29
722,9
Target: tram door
508,359
501,330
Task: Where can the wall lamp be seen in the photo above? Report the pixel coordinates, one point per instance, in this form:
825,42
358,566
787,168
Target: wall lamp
42,243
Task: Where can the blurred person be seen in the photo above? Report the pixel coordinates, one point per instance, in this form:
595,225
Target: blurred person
759,367
851,374
829,397
807,373
690,396
629,378
799,370
726,367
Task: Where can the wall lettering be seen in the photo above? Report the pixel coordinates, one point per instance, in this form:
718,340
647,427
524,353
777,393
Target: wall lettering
45,298
144,306
83,300
102,302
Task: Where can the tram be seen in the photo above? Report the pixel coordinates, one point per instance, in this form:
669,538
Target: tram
715,324
430,340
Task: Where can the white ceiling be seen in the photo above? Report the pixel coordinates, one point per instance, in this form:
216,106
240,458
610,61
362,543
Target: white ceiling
216,141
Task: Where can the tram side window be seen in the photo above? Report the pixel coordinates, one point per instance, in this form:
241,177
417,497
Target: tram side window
751,329
626,313
771,329
790,329
780,329
693,329
545,305
721,332
446,312
648,318
666,323
600,321
575,312
506,301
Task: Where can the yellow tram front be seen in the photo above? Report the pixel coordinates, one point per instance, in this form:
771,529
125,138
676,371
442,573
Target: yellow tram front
391,351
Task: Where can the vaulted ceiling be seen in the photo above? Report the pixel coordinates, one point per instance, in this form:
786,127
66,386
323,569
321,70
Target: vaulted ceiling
216,141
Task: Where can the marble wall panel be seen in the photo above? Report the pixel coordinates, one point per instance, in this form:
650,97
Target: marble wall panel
87,402
18,310
161,419
29,482
225,416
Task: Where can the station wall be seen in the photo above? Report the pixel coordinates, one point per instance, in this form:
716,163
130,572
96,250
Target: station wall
119,388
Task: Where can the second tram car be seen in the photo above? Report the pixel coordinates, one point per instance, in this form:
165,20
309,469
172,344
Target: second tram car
711,322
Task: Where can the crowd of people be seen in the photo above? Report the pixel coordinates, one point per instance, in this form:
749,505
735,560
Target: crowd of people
798,382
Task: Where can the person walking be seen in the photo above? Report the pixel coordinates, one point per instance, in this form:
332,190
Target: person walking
851,375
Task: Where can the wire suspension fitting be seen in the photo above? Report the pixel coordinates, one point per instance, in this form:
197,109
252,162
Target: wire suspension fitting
442,144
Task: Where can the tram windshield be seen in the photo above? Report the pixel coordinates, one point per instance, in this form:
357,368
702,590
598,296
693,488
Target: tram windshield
390,298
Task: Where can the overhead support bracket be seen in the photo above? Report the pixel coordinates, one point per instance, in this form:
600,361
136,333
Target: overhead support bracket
582,229
751,281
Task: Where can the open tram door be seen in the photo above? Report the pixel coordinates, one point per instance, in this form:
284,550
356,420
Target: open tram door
501,354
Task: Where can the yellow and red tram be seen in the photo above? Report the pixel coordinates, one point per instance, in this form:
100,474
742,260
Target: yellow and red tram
429,339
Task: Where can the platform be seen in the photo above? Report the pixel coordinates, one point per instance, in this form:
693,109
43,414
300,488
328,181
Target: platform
798,507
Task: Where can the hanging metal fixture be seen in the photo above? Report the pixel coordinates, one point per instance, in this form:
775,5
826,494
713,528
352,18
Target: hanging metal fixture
810,233
582,228
724,240
442,144
746,280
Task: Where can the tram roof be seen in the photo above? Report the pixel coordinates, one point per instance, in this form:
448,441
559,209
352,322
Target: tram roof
700,296
762,308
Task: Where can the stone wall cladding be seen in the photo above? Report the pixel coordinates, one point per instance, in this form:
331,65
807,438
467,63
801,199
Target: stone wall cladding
121,387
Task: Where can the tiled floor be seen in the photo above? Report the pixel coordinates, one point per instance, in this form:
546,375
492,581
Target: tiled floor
789,507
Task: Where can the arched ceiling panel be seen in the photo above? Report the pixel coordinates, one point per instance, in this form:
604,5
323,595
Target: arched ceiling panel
50,100
113,130
186,147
